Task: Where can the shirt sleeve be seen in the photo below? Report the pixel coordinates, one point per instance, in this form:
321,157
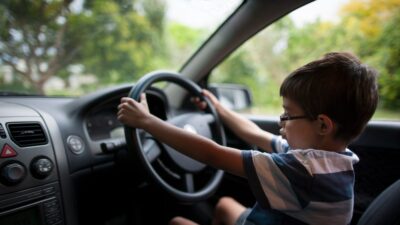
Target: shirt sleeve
279,145
271,179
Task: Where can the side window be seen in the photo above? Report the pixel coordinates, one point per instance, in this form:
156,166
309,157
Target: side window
365,28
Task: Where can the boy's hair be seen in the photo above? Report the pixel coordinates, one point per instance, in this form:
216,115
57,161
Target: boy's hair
339,86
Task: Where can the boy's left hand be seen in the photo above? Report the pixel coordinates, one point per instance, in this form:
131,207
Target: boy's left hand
133,113
202,104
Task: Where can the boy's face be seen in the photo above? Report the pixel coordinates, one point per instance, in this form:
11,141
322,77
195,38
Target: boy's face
300,133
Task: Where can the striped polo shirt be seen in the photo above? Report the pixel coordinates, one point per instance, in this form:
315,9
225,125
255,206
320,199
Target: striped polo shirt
300,186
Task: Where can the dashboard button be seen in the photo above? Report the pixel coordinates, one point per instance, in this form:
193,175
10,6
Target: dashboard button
8,151
75,144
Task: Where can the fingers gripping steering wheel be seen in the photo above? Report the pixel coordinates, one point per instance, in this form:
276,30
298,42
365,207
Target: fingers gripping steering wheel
148,150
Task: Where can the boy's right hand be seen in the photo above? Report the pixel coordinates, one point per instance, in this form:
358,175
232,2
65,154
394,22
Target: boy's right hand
133,113
202,104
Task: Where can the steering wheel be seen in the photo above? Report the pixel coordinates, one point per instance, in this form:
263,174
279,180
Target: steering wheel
148,150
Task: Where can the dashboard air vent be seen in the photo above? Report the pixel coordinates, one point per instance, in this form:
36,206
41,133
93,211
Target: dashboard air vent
27,134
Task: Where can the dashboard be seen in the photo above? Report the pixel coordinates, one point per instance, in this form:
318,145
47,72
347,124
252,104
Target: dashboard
102,123
75,137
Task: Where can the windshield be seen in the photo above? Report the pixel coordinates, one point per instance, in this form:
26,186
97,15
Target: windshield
70,48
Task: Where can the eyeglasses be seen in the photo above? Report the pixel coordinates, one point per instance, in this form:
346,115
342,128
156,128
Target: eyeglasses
285,117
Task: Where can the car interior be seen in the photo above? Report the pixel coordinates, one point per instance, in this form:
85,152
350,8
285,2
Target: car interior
69,161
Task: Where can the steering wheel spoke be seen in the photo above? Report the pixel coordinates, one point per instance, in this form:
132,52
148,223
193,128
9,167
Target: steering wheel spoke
208,118
189,182
151,149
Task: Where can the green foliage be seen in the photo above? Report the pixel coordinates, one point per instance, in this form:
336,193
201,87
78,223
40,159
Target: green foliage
30,35
120,40
112,39
181,40
117,43
376,26
16,86
240,69
388,54
368,29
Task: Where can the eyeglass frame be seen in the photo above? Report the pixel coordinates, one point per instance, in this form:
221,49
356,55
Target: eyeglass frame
283,117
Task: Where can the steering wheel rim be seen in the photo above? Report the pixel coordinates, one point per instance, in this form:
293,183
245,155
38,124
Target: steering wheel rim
134,142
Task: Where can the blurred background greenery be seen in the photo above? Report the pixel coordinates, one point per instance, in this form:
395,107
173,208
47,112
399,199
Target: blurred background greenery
51,47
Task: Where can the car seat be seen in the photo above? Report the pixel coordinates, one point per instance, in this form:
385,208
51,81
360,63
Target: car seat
385,209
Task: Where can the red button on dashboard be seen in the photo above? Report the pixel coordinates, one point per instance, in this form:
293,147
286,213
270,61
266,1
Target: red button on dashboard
7,151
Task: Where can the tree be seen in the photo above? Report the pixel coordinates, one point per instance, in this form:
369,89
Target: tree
368,28
180,41
111,39
32,35
377,22
388,55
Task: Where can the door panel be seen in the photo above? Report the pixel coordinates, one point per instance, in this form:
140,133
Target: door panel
379,151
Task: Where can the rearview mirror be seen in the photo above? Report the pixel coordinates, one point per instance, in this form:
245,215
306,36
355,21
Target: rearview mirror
232,96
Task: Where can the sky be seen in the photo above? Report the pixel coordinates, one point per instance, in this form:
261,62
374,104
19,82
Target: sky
323,9
202,13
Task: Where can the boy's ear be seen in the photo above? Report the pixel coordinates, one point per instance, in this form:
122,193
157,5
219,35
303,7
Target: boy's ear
325,125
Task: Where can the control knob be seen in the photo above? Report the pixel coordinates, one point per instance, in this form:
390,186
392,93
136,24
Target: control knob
41,167
12,173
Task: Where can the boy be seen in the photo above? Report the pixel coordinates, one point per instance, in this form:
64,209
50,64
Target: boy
306,175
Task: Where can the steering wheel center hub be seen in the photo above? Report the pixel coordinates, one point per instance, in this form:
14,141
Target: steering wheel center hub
190,128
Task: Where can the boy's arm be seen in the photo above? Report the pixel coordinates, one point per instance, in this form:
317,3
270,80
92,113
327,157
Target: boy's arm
241,126
135,114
